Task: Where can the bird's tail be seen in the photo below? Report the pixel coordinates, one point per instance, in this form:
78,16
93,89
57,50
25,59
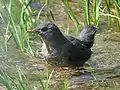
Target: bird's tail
87,35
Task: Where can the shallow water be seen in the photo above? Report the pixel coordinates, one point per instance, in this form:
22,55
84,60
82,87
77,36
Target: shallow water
102,70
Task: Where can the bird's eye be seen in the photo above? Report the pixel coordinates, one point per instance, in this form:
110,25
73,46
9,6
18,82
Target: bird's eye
93,28
44,29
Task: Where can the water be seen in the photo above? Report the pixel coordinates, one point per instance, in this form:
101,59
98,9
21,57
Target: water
102,71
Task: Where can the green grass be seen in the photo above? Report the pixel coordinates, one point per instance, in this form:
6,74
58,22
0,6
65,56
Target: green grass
85,5
93,12
19,81
17,16
64,85
11,82
108,10
71,14
17,21
117,9
96,10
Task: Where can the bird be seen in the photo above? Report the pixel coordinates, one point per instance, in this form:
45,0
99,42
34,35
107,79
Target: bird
74,51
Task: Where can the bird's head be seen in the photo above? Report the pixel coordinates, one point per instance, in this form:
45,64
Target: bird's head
48,31
45,28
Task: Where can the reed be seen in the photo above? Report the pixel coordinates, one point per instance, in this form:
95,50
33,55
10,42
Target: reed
12,82
5,39
117,9
47,2
17,21
6,80
85,5
64,85
71,13
108,10
96,11
19,81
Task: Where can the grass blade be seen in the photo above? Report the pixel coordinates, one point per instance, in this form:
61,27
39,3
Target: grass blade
96,12
71,14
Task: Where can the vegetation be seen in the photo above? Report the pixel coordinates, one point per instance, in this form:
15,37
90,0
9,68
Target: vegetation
18,17
21,82
92,11
17,22
85,5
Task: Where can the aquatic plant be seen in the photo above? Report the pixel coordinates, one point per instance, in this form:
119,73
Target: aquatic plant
17,21
96,11
15,82
4,40
117,9
92,11
20,81
64,85
71,13
108,10
85,5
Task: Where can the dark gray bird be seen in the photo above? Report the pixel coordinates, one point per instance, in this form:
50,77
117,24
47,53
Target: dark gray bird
76,51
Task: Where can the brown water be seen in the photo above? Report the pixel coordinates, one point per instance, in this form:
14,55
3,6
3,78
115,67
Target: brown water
102,70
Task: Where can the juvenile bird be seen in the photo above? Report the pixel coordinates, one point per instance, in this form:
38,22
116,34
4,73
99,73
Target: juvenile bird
73,50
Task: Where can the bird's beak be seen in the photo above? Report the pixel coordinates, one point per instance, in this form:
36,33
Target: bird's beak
39,29
33,30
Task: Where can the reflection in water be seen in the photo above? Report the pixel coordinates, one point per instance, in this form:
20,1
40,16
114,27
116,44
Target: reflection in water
101,78
105,64
86,76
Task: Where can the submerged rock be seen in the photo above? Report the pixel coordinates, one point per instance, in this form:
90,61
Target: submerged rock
67,49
